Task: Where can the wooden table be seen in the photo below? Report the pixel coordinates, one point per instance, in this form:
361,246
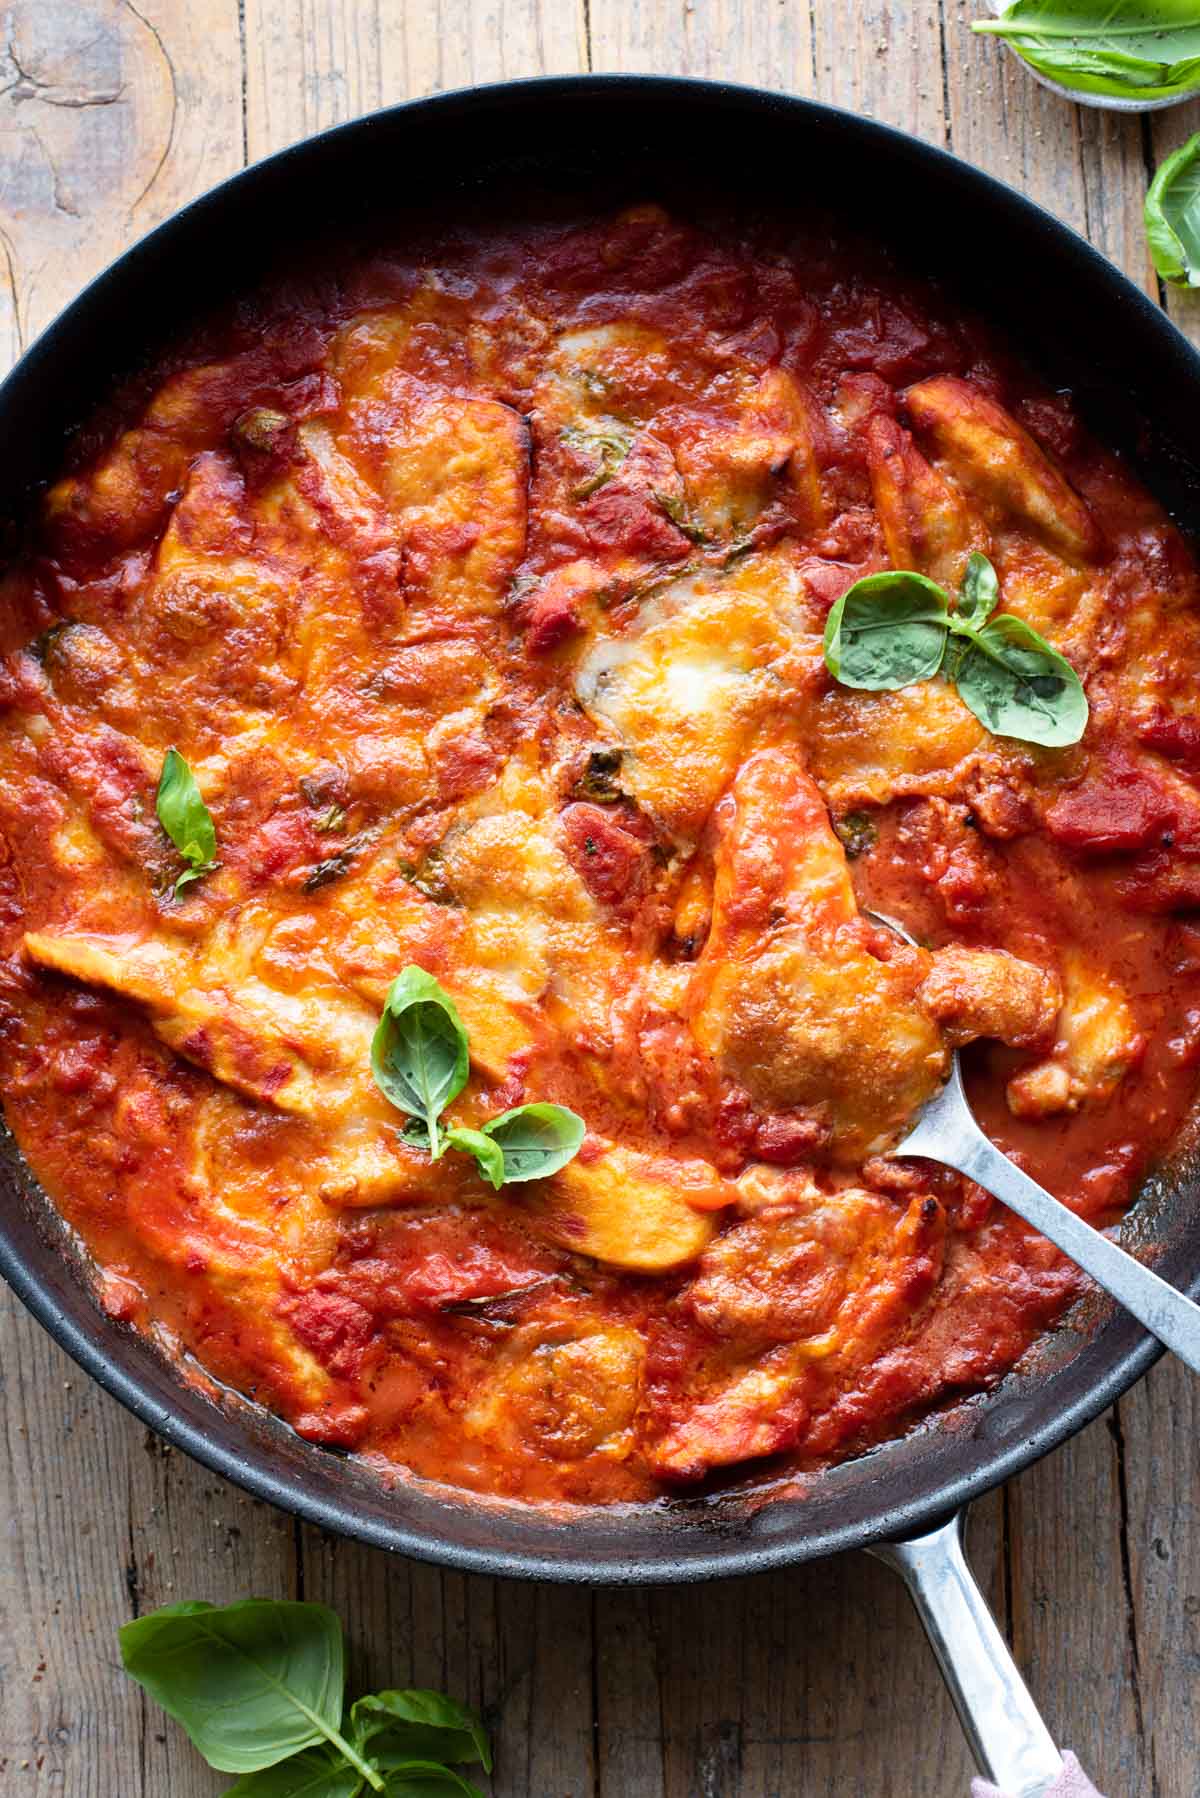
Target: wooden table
816,1682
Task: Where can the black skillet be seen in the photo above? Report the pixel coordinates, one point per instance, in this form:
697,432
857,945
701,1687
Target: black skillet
1138,382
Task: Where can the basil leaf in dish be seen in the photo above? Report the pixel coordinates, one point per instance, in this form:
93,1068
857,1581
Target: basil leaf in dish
536,1140
488,1154
979,594
420,1059
891,630
1173,216
419,1053
186,819
1018,686
1130,49
887,630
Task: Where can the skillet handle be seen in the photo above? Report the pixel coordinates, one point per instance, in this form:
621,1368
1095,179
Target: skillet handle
1007,1736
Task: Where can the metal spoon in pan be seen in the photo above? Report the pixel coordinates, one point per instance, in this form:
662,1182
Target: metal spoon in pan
945,1130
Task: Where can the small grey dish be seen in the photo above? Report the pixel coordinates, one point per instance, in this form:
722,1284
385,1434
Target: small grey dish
1106,102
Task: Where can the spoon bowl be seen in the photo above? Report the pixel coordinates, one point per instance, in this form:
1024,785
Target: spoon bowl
945,1130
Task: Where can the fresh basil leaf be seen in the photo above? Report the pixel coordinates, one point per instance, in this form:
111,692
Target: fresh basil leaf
418,1725
887,631
426,1779
980,592
251,1683
1018,686
186,819
536,1139
488,1154
1134,49
419,1053
1173,216
316,1773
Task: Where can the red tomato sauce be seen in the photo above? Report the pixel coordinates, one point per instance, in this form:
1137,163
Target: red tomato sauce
481,584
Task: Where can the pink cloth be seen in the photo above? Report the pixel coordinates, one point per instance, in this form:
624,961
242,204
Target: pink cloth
1073,1782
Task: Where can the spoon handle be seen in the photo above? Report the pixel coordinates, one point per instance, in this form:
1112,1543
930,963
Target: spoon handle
1168,1314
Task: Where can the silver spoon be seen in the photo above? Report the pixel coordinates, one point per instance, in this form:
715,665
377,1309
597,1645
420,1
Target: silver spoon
945,1130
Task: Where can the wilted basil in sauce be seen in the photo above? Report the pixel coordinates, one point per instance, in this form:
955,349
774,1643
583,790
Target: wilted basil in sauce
606,442
857,834
598,782
676,509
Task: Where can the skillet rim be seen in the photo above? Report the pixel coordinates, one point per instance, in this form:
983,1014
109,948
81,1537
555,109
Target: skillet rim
96,1343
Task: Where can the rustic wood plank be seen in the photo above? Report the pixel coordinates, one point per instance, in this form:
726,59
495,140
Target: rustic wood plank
111,116
816,1681
1073,1621
1160,1420
313,63
1085,165
763,44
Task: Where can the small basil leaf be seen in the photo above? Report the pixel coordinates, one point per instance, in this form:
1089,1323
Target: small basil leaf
426,1779
185,818
1018,686
316,1773
1134,49
251,1683
418,1725
886,631
419,1051
980,592
536,1139
1173,216
488,1154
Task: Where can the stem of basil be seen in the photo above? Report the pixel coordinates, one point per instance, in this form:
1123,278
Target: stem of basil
356,1761
1044,28
331,1735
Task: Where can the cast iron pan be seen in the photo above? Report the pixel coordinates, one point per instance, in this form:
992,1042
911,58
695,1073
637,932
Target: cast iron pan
629,137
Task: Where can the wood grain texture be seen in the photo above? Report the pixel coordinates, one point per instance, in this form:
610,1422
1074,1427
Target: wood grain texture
816,1682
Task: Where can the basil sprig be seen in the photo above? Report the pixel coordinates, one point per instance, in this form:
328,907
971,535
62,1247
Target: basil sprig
1173,216
525,1144
1132,49
892,629
420,1057
186,819
419,1054
259,1686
